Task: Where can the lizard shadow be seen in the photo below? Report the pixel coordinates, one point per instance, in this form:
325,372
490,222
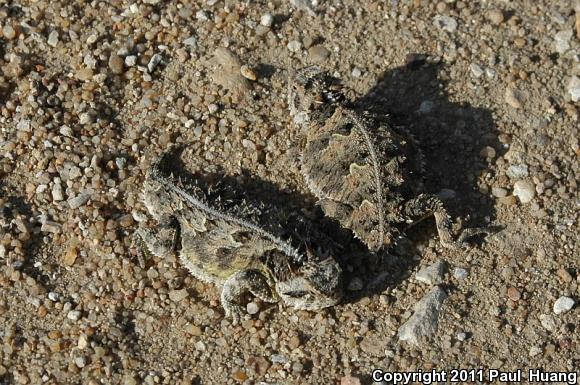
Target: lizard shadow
451,135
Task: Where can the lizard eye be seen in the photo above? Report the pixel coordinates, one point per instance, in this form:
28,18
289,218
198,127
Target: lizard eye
296,293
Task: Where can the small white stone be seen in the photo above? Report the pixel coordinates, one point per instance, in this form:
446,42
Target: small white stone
517,171
154,62
82,342
74,315
23,125
446,23
548,322
52,39
66,131
190,41
476,70
267,20
461,336
51,227
459,273
562,41
178,295
57,194
92,38
130,60
524,190
213,108
574,88
432,274
252,308
80,362
356,72
563,304
294,46
201,15
535,350
53,296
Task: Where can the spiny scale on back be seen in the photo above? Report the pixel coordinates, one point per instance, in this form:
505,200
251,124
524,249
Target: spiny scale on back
365,172
221,242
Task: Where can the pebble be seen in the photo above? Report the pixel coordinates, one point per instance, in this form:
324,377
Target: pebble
294,46
52,39
564,275
82,342
432,274
499,192
74,315
252,308
514,294
517,171
248,72
495,16
267,20
80,362
535,350
513,97
212,108
53,296
356,72
423,322
78,201
154,62
562,41
116,64
548,322
524,190
355,284
460,273
446,23
318,53
57,194
51,227
8,32
476,70
461,336
130,60
70,256
574,88
178,295
563,304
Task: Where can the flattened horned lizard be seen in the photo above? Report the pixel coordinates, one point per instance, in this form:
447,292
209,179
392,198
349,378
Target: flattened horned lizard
220,243
364,171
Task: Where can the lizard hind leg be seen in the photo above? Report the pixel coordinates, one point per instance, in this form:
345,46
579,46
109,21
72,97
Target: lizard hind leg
425,205
161,243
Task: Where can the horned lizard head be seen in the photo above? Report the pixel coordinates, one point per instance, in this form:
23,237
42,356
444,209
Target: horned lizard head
315,285
309,89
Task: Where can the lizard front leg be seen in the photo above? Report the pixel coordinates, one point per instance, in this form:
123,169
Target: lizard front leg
242,282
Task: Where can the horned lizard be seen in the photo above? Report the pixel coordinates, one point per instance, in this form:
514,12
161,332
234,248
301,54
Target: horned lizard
220,242
364,171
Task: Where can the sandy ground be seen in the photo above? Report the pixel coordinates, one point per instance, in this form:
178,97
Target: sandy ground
92,92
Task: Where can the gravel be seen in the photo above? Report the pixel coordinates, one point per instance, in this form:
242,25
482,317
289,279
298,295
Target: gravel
83,115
